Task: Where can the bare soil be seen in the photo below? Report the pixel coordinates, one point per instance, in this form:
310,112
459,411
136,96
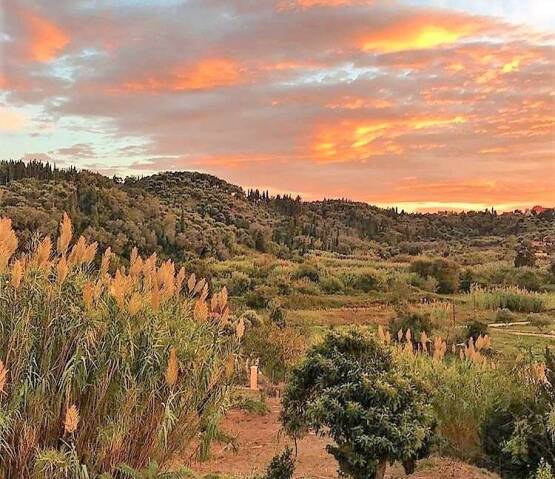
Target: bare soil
258,438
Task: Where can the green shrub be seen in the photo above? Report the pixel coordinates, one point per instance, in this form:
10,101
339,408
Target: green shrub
239,283
525,255
100,369
466,280
350,388
474,329
415,321
277,349
528,279
367,280
446,273
260,297
503,315
308,271
463,394
282,466
331,285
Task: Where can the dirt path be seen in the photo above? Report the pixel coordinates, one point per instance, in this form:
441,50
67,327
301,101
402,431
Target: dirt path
258,439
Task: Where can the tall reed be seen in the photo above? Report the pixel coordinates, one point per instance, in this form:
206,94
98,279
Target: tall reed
99,369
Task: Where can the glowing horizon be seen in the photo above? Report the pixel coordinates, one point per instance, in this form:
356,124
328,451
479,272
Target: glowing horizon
420,104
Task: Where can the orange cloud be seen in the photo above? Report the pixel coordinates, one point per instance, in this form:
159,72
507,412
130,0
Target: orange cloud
287,4
354,141
202,75
356,103
419,32
45,39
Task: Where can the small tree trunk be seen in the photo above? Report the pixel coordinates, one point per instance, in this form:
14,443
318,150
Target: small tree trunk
380,471
409,465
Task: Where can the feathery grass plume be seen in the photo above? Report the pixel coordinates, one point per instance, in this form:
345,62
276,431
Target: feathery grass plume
200,311
17,273
90,253
179,279
105,263
135,263
408,335
62,270
8,242
88,294
155,296
71,420
134,304
400,335
172,369
192,282
66,233
423,341
230,366
3,376
78,252
240,329
381,334
119,287
41,257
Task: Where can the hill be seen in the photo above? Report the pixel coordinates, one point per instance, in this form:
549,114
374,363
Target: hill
185,215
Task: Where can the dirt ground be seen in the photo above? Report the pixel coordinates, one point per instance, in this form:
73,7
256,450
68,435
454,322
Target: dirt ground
259,438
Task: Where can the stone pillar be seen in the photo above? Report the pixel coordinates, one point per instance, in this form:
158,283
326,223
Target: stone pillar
254,377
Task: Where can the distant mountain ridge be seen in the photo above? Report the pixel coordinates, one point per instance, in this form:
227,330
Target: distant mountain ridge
184,215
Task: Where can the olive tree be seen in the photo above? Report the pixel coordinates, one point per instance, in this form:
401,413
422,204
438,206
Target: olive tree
350,388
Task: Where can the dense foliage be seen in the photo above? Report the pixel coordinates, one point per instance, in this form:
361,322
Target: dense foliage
350,388
184,215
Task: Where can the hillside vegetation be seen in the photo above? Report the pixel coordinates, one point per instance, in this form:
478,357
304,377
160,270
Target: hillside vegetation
185,215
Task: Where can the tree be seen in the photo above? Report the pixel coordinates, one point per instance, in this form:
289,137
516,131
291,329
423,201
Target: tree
350,388
524,254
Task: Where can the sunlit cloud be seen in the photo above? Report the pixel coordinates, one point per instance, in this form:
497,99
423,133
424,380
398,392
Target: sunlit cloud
204,74
420,32
44,39
359,96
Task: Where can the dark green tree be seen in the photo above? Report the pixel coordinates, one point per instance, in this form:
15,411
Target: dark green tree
524,254
350,388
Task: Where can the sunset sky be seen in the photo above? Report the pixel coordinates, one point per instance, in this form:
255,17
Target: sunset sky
418,103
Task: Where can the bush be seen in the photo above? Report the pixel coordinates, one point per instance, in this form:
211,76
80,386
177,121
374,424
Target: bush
528,279
367,280
462,394
282,466
331,284
525,255
446,273
239,283
503,315
308,271
277,349
259,298
466,280
475,329
350,388
518,437
277,314
416,322
101,370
